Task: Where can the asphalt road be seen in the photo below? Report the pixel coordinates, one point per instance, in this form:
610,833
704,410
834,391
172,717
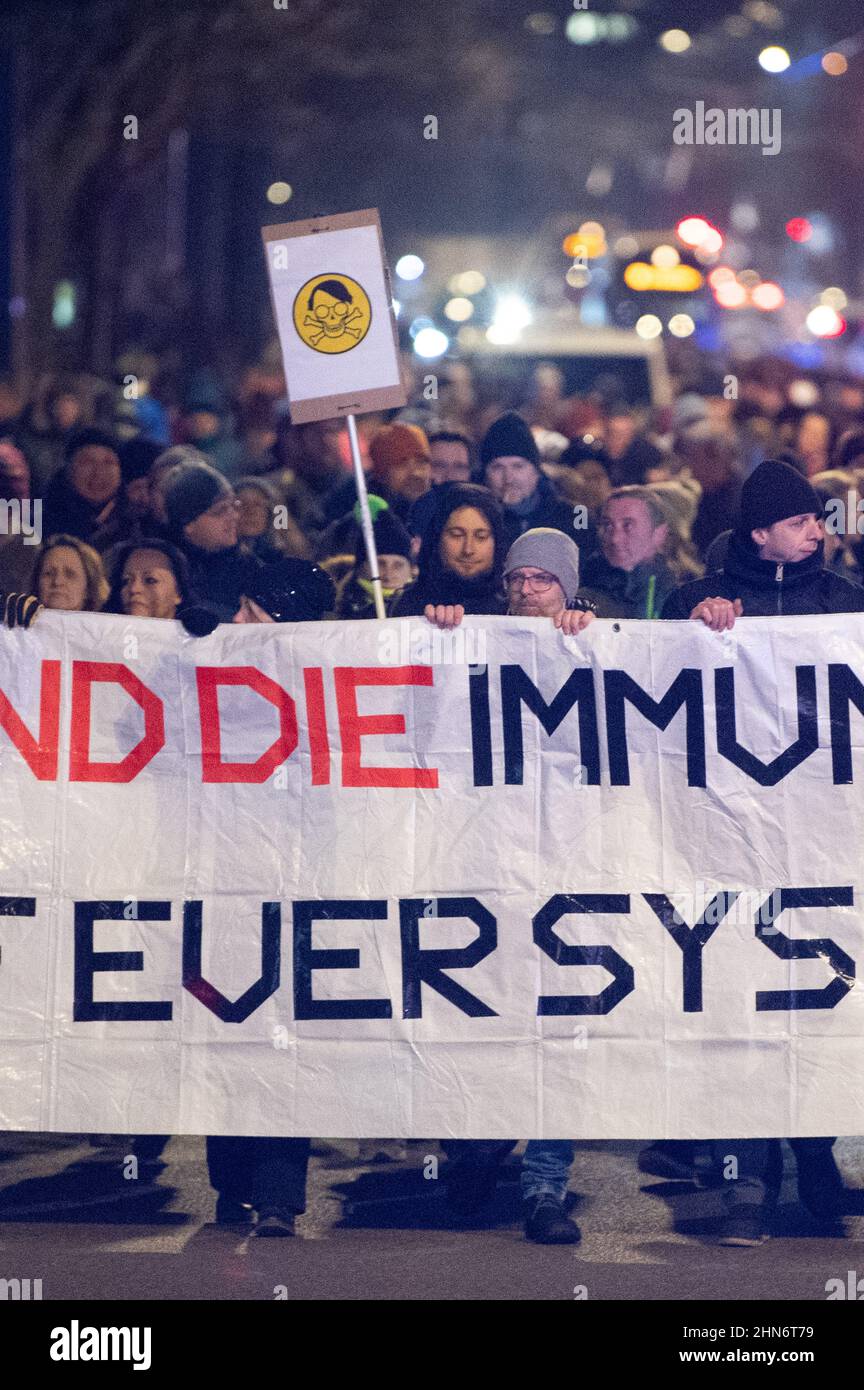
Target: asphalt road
379,1230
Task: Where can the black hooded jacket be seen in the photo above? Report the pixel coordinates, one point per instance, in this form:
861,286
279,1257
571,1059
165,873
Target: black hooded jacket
435,584
767,589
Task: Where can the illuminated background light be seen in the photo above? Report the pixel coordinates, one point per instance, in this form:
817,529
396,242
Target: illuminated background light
768,296
582,28
541,23
748,278
279,192
467,282
681,325
799,229
396,307
626,246
649,326
834,64
665,257
833,297
774,59
459,309
825,322
675,41
431,342
730,295
578,276
720,275
417,325
409,267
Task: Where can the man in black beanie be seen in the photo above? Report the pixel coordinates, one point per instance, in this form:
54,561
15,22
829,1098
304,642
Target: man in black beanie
511,470
773,567
774,564
202,520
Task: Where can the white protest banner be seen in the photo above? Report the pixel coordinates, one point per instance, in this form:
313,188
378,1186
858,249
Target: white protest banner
370,879
333,309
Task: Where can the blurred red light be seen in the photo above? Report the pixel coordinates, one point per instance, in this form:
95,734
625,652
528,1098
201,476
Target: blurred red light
799,229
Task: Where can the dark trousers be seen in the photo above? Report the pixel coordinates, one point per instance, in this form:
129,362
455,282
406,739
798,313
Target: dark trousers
269,1173
760,1165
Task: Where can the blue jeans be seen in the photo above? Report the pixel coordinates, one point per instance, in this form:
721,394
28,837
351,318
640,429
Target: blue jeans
546,1168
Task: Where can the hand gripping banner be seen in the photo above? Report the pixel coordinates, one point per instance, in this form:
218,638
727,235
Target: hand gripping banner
371,879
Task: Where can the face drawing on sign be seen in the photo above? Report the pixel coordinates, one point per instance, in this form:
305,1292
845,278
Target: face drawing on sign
332,313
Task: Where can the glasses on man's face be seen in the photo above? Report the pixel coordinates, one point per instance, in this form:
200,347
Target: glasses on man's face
518,579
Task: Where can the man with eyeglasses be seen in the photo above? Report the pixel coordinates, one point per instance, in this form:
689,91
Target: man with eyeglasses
541,577
202,513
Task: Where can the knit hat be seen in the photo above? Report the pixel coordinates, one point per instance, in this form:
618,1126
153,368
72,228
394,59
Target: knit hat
509,436
292,591
84,438
191,491
394,444
545,548
773,492
137,456
391,537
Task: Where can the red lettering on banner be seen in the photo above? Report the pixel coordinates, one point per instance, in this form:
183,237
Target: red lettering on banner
84,675
316,713
40,756
213,769
353,726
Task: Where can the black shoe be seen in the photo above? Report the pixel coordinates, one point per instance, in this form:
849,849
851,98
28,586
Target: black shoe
547,1222
742,1226
673,1160
275,1223
230,1212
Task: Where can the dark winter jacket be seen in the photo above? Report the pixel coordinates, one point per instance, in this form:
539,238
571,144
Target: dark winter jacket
221,577
767,589
618,593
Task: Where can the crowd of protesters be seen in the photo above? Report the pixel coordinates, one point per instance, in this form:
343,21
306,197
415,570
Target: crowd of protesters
551,506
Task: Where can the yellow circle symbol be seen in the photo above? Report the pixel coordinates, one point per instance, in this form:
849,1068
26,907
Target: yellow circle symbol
332,313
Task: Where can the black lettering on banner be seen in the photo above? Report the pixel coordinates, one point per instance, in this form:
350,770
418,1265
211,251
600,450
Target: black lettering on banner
578,689
88,961
766,774
844,689
231,1010
307,959
562,953
685,690
426,966
17,907
481,726
691,939
819,948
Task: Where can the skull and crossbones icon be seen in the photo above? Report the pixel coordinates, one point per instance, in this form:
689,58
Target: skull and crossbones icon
330,314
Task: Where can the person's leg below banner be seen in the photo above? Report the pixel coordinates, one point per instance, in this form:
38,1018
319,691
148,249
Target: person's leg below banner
471,1176
229,1166
820,1182
752,1171
279,1169
545,1170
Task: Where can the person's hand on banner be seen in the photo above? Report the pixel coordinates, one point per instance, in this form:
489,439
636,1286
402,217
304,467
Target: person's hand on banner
19,610
573,620
718,613
444,615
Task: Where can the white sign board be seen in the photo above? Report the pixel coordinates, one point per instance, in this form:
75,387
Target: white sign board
333,307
